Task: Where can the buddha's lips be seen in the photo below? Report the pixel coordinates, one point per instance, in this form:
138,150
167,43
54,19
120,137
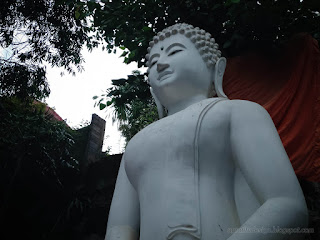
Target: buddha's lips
164,73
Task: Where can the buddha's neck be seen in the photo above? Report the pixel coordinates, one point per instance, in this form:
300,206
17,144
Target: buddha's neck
178,106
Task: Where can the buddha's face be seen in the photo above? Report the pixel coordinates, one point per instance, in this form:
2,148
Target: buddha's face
177,71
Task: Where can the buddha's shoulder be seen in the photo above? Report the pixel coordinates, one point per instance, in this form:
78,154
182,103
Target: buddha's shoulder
228,108
240,112
232,105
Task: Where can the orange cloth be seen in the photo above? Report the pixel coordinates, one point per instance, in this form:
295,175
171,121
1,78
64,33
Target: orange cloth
288,86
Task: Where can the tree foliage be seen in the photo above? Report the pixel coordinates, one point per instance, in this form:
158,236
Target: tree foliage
53,31
236,24
34,31
23,82
27,133
39,157
132,103
37,165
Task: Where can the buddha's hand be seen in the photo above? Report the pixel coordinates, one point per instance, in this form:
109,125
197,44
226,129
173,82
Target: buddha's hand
121,233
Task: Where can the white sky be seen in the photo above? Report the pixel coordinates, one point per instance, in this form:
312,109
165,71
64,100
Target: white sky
71,96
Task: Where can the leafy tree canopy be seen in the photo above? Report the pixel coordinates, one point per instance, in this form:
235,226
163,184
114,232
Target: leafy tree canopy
28,133
39,157
133,106
33,31
239,25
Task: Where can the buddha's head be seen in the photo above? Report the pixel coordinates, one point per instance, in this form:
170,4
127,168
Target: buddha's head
184,63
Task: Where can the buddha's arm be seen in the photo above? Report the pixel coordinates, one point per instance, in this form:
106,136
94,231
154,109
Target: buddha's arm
124,218
261,157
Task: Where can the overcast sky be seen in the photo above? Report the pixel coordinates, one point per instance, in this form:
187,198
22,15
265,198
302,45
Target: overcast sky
71,96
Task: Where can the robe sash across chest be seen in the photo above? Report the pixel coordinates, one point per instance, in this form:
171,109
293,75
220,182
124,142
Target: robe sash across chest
182,196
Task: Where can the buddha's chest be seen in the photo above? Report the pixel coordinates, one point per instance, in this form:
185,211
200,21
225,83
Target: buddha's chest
170,146
162,146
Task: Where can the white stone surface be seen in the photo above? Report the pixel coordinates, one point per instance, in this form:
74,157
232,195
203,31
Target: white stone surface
211,166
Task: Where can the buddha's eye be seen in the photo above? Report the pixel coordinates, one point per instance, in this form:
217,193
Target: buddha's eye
153,63
174,52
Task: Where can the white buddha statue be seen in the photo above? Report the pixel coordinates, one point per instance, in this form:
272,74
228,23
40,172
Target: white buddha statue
210,165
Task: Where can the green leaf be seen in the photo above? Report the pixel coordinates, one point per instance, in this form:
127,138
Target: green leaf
145,29
122,47
94,97
132,54
228,3
77,14
109,103
124,54
102,106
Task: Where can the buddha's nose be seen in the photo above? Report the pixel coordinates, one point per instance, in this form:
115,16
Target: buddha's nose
161,67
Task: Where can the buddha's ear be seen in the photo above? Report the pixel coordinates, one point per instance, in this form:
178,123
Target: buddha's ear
219,69
160,108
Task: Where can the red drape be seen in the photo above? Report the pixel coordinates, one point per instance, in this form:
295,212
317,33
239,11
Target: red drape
287,85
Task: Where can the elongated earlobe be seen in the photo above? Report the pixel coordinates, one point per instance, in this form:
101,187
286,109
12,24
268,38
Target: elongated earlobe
160,108
218,76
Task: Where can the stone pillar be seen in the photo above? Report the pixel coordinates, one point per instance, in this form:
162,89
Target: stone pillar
95,140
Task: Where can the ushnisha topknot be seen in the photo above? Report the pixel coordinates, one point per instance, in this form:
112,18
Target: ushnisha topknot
202,40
